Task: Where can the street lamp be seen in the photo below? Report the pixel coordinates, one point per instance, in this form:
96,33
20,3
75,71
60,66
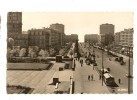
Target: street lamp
129,76
102,66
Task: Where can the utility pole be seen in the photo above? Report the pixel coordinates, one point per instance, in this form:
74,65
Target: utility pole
102,67
129,76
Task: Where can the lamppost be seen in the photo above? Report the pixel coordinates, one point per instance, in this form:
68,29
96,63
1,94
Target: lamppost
102,66
129,76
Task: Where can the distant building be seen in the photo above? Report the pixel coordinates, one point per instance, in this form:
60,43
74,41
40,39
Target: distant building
124,38
71,38
14,23
57,27
44,38
91,38
38,37
21,40
55,39
107,33
14,29
60,28
117,38
68,38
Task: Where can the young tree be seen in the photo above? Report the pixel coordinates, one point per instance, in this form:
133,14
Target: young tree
41,53
71,53
22,52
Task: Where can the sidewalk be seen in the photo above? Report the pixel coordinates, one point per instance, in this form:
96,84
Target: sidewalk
39,80
83,85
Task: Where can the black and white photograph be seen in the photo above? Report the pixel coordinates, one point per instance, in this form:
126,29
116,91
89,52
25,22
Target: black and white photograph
0,22
69,52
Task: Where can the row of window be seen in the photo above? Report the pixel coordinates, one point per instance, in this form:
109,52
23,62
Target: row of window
14,21
38,42
38,33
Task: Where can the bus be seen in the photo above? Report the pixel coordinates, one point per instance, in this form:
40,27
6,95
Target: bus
108,79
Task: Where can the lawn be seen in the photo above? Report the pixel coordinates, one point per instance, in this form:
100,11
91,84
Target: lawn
19,90
28,66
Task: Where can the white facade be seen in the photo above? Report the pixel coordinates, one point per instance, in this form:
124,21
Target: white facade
124,38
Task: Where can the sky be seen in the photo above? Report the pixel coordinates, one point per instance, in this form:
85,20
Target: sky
80,23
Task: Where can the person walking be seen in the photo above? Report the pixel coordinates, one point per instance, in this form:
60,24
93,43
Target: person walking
119,81
88,77
78,58
74,61
92,77
99,77
81,61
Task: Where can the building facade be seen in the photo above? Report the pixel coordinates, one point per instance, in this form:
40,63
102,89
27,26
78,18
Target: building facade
38,37
43,38
107,33
55,39
117,38
125,37
21,40
91,38
14,23
60,28
57,27
71,38
14,29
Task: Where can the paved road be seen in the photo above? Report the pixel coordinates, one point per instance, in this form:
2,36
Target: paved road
117,70
82,84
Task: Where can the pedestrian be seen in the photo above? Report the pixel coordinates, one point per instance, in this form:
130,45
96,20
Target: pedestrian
119,81
74,60
81,64
99,77
78,58
81,61
88,77
92,77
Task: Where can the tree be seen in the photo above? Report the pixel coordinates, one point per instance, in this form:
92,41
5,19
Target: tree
22,52
31,53
71,53
76,49
108,39
52,52
10,42
41,53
